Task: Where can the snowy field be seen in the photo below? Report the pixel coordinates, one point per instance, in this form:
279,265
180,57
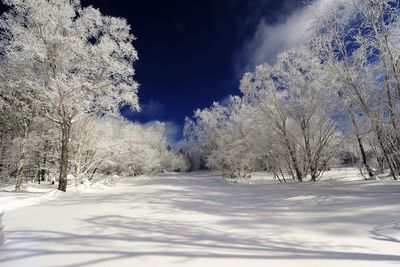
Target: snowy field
202,220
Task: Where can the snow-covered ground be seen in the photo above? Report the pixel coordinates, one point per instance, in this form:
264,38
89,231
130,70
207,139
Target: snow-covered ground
202,220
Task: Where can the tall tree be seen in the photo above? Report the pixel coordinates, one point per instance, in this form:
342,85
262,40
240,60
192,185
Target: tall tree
360,44
76,62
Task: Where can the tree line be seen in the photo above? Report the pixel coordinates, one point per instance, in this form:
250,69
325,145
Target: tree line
334,98
65,73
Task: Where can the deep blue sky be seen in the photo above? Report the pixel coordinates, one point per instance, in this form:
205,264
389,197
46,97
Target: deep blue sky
188,49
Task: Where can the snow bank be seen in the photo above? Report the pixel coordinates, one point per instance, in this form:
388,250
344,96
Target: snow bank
341,174
26,198
36,194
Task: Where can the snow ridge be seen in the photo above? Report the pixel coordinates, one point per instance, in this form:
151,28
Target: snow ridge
19,203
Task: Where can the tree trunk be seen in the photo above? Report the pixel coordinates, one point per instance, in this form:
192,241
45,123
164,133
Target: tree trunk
312,164
293,158
378,132
78,167
364,157
93,173
78,175
21,162
43,169
360,144
283,176
1,150
66,131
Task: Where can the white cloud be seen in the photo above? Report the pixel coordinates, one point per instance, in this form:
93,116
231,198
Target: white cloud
152,108
269,40
173,132
148,111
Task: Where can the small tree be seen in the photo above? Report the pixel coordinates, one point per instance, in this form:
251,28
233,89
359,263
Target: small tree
76,62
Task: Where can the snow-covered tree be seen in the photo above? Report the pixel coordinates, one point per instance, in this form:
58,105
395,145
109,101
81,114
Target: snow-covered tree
359,44
283,123
113,145
71,62
292,96
17,111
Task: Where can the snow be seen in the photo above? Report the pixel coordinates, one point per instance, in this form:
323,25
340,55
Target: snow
1,230
29,195
199,219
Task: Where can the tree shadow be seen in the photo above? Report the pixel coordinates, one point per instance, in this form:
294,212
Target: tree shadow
224,221
385,230
110,238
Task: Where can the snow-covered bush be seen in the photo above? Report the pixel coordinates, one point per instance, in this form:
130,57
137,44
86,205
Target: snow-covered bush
110,145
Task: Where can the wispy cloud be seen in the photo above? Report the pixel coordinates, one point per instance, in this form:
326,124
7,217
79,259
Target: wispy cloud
148,111
173,132
270,39
152,108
